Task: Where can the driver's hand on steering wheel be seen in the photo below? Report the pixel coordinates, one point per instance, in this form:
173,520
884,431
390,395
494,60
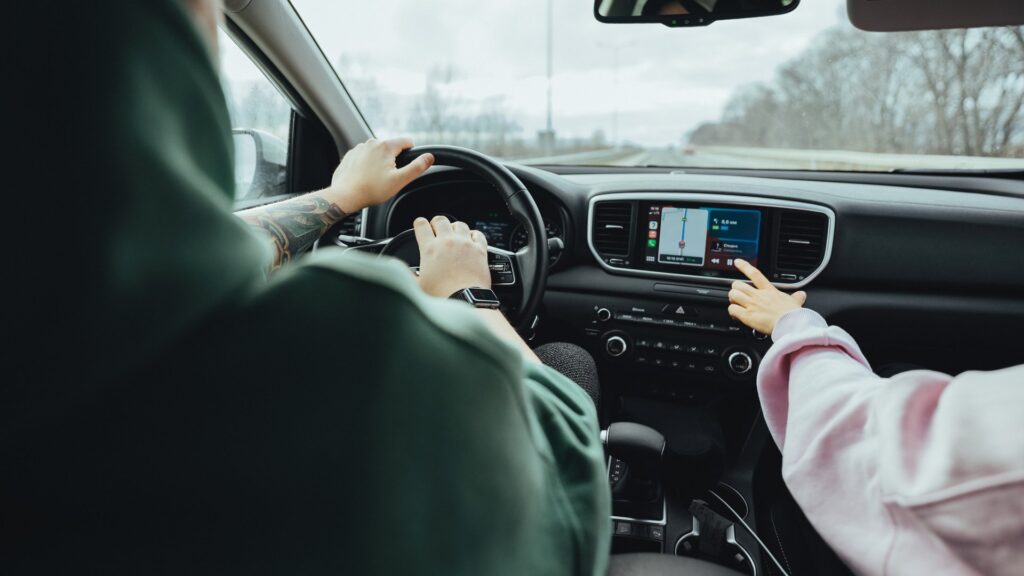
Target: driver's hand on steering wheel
368,176
452,257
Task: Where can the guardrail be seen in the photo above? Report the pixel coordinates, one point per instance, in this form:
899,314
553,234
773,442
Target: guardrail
851,160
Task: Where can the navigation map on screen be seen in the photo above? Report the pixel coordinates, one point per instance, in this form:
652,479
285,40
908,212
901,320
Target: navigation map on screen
684,235
706,237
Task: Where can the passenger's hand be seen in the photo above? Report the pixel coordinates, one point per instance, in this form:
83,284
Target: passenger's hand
760,306
368,176
452,257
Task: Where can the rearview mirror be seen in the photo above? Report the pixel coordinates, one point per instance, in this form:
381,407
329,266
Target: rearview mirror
676,13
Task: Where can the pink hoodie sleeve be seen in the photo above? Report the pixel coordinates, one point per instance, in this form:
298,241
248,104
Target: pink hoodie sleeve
922,473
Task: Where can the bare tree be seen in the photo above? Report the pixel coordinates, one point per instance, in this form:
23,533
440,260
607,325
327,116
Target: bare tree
950,92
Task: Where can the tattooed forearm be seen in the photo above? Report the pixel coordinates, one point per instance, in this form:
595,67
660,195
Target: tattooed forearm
293,225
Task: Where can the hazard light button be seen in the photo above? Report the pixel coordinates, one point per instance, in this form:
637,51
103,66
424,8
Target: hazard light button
679,311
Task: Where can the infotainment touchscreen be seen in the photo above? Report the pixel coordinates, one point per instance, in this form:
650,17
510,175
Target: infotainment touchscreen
694,239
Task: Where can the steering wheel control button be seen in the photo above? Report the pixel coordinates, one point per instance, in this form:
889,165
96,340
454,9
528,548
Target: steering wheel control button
604,314
740,363
501,269
615,346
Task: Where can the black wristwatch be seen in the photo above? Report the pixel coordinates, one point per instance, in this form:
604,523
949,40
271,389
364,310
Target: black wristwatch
479,297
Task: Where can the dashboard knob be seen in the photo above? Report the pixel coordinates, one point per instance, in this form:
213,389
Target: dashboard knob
615,346
604,314
740,362
759,336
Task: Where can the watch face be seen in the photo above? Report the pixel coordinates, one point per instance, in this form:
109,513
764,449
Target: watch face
482,295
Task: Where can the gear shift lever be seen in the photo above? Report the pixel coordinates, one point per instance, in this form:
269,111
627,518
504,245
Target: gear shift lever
640,446
639,449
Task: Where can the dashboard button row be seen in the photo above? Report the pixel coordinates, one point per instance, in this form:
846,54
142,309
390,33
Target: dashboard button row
680,364
670,322
678,347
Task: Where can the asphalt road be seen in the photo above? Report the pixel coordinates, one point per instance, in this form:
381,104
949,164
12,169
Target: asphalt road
676,157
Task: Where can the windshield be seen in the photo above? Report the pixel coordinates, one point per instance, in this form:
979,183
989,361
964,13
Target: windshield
801,91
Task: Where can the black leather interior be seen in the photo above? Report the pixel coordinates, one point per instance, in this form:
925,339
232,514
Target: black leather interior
664,565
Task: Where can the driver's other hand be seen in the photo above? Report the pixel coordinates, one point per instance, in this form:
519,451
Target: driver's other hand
368,175
452,257
760,305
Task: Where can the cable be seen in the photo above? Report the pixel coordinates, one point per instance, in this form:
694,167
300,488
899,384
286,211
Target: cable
751,532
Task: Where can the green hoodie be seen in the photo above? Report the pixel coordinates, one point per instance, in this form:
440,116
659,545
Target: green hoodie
170,411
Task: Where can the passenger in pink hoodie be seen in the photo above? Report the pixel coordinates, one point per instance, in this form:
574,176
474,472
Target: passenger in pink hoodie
921,473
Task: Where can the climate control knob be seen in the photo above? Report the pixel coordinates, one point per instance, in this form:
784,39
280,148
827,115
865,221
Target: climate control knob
740,363
615,346
604,314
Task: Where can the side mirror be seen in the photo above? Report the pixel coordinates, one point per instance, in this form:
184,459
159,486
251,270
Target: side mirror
680,13
261,164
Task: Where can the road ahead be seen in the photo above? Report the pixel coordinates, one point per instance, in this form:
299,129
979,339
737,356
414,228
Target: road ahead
663,157
779,159
699,159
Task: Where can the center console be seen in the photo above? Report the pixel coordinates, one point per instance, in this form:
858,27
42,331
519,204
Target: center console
686,245
677,371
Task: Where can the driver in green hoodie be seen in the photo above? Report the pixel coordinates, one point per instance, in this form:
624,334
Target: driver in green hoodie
170,410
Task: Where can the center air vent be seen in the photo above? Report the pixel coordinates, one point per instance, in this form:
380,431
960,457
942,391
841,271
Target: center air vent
801,244
612,226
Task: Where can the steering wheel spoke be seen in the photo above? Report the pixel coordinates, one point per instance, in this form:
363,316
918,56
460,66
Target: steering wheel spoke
503,266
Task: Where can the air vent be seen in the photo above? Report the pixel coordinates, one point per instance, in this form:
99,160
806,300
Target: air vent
801,245
351,226
613,222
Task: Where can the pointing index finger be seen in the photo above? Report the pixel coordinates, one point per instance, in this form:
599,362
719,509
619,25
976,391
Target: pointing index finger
753,273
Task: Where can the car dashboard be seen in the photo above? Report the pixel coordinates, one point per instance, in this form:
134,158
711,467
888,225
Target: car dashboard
920,273
887,261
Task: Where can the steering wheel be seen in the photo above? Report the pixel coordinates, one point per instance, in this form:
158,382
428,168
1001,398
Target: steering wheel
518,278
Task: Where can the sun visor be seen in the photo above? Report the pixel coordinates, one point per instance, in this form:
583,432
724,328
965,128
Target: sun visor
900,15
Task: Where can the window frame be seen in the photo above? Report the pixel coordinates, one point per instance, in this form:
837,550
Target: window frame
300,111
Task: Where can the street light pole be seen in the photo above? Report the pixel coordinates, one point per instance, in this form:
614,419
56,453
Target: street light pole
547,136
615,48
550,57
615,108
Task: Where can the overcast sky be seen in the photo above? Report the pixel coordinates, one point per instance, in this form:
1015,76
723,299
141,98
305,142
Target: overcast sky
670,80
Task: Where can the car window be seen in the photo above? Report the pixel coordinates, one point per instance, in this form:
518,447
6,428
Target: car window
260,126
